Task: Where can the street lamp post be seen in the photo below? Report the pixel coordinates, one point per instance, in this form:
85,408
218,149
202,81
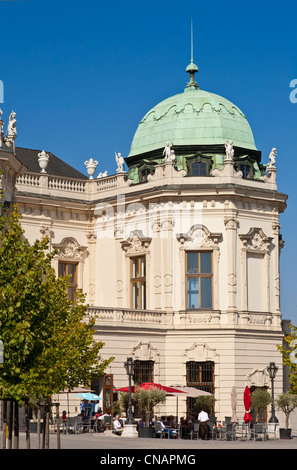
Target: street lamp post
272,370
129,366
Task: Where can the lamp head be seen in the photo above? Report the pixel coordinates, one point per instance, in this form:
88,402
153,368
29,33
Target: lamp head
272,370
129,366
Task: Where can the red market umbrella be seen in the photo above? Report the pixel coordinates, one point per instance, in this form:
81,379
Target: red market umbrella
247,404
125,389
148,386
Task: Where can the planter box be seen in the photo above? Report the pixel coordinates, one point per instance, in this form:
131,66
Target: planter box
285,433
146,432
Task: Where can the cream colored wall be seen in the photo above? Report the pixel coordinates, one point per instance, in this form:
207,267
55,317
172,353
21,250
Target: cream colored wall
236,357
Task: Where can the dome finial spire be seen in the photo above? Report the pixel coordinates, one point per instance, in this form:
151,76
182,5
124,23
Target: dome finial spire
192,68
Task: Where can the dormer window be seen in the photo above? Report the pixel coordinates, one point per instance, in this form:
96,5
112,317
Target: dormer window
246,171
143,174
199,169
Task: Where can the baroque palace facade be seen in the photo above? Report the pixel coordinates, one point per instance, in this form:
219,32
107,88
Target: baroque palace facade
178,254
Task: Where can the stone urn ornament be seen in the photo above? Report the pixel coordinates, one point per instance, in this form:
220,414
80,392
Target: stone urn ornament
43,159
91,166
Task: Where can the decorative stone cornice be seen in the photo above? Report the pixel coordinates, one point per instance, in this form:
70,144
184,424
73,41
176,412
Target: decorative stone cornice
256,240
69,249
136,243
199,237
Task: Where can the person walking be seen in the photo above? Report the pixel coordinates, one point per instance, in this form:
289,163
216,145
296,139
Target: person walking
203,420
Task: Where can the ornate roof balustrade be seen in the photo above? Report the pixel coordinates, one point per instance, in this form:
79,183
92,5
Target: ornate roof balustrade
90,190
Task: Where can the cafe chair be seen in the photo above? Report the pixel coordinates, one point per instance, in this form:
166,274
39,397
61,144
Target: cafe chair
70,425
229,432
195,430
108,422
159,431
258,432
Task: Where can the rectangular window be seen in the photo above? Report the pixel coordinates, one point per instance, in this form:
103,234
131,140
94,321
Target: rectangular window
199,169
143,372
199,375
138,282
69,269
199,279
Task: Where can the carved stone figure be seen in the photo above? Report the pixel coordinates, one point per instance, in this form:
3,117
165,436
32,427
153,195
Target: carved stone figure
168,152
102,175
229,149
120,162
272,156
11,127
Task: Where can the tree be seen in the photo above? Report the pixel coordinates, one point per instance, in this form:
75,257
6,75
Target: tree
260,400
286,402
205,403
289,352
48,339
148,399
123,401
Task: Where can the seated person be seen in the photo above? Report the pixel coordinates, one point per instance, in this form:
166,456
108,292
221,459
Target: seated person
117,426
140,423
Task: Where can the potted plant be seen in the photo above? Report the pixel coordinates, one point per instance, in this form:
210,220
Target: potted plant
260,400
286,402
148,399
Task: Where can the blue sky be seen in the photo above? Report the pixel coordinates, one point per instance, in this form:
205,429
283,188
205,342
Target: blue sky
81,74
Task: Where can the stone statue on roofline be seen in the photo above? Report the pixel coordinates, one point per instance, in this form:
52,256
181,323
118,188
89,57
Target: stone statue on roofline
120,162
229,149
11,127
272,157
168,153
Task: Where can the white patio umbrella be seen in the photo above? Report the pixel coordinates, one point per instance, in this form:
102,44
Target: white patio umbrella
189,392
234,419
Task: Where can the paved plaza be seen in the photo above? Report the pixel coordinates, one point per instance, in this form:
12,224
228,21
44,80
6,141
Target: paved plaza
107,440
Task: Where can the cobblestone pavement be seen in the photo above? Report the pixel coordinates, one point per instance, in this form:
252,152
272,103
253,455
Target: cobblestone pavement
108,440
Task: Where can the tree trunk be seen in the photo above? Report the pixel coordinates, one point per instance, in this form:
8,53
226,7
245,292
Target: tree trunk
58,427
27,424
16,425
10,422
38,426
4,424
47,427
43,427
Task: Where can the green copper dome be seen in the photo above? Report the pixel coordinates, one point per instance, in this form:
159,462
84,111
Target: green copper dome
192,118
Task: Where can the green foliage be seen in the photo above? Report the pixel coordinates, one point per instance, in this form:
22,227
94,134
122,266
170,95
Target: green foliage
123,401
148,399
289,352
48,340
260,399
205,403
286,402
